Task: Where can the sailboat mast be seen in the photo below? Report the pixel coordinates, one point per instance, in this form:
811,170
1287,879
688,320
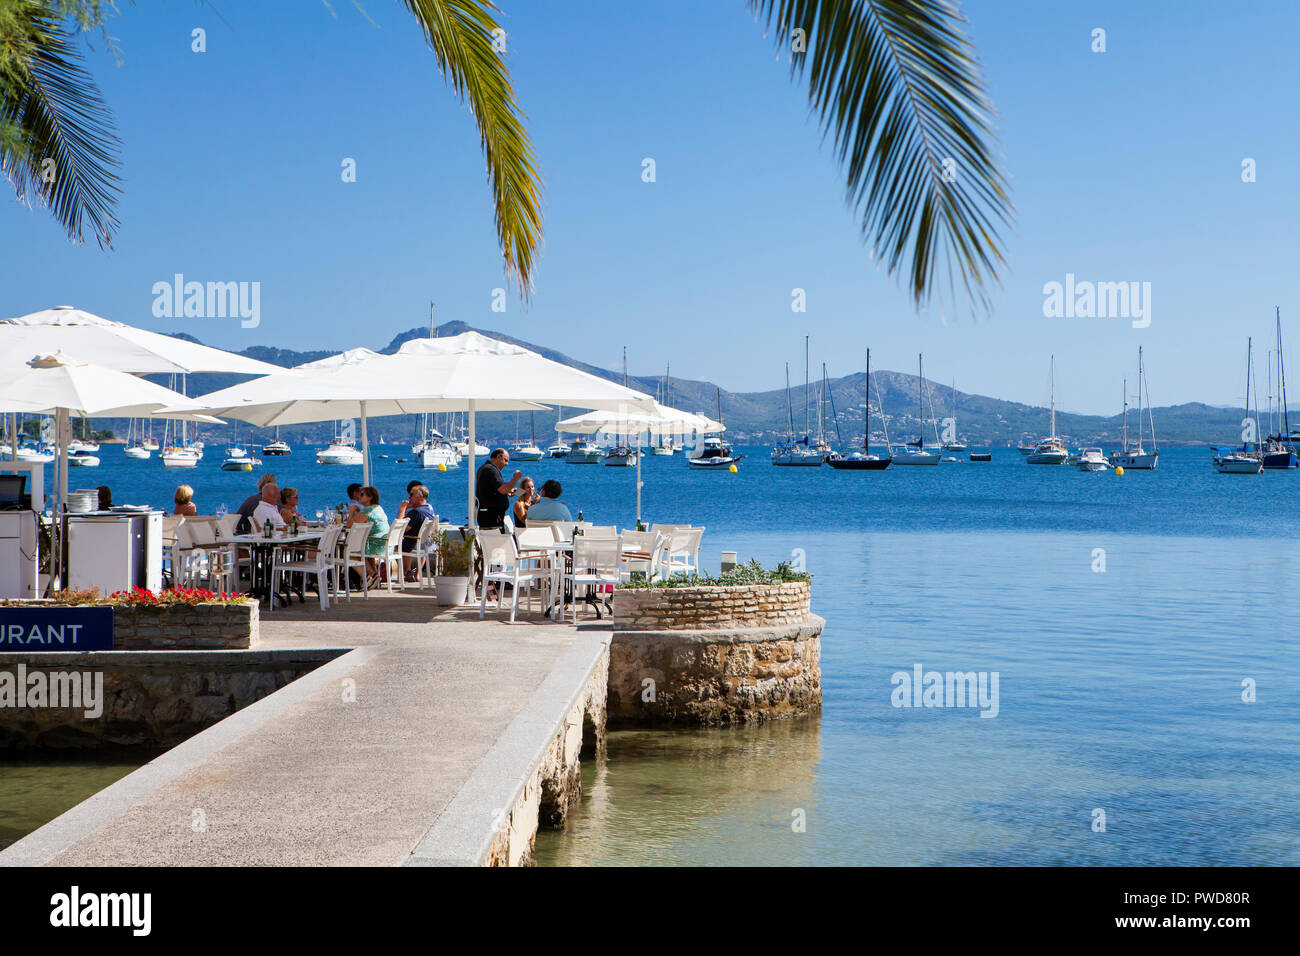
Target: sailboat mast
1053,399
1248,361
920,409
1281,365
1140,398
866,409
805,387
1125,426
789,409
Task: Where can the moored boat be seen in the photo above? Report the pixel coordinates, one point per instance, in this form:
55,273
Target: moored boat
1050,450
341,451
1092,459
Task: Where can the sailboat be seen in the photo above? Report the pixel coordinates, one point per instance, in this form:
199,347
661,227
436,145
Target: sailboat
623,455
862,460
956,446
791,452
1050,450
665,447
1279,452
529,452
277,447
1137,458
918,455
1247,461
135,449
713,451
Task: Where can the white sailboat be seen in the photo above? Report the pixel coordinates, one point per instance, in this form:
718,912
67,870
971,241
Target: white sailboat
1247,460
135,448
914,453
1137,458
791,453
530,451
1050,450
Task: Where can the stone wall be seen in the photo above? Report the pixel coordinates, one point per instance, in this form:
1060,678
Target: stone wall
556,784
182,626
151,699
711,608
708,656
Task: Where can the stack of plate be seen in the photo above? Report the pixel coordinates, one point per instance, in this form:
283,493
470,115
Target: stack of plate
82,501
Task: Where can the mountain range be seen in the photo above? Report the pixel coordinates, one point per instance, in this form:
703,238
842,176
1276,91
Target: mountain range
765,417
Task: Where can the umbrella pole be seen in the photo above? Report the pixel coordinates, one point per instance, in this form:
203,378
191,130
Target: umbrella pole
472,512
61,439
638,476
365,448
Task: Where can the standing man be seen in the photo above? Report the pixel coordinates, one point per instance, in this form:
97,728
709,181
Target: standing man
492,490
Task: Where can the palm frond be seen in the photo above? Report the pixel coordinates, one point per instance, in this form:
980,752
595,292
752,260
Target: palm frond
898,85
57,141
460,33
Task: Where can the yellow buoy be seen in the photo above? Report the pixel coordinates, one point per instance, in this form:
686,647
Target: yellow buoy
1119,469
732,469
442,466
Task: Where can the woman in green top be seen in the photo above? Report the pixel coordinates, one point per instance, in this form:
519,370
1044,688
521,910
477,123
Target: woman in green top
367,509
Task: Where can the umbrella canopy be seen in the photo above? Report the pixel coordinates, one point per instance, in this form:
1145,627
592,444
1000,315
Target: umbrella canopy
468,372
662,419
52,382
115,345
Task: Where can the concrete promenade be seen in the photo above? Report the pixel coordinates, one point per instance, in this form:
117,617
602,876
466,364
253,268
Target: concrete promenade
356,762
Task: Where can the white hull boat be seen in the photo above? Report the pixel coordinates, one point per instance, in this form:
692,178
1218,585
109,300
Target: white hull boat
1092,459
341,451
179,458
83,460
527,453
621,457
1237,464
1135,460
558,450
583,453
137,452
277,448
911,456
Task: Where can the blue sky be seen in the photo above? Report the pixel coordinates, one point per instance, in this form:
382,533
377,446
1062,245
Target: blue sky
1124,166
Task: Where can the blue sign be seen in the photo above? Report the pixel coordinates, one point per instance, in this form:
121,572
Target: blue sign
56,628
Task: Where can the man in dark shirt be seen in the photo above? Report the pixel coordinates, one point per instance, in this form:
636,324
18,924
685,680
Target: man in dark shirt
492,490
417,511
249,505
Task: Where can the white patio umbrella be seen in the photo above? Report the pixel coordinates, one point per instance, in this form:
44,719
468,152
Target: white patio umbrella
469,372
113,345
662,418
60,385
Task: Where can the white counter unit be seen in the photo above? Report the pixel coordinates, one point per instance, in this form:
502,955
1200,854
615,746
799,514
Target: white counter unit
115,551
18,555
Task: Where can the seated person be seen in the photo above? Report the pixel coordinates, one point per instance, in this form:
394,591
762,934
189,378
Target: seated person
417,510
549,507
526,498
184,499
367,511
249,505
353,490
105,497
289,506
268,509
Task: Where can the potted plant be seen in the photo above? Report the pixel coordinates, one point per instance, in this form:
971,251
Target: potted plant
456,558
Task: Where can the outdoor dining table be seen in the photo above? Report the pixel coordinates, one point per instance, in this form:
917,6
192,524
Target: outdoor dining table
262,550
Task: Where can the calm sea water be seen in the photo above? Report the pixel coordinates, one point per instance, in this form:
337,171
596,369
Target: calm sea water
1119,690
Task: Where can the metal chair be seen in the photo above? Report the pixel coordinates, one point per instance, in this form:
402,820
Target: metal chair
321,566
503,565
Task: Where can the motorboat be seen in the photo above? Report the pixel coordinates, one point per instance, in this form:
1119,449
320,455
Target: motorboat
981,453
277,448
1025,449
435,451
1092,459
713,453
622,456
82,459
341,451
237,459
529,452
558,450
78,445
179,457
585,452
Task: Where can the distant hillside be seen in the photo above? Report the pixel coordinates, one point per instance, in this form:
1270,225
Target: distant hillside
762,417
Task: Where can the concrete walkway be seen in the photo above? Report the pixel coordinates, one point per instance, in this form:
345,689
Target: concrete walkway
352,764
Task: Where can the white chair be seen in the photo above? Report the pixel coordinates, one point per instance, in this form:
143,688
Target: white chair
225,526
596,563
598,530
503,565
354,556
641,551
682,555
425,553
392,556
320,565
563,530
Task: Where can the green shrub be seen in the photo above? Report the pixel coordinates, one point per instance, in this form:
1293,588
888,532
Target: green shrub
741,574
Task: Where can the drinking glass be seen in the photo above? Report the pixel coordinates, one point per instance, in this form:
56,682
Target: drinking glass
320,515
